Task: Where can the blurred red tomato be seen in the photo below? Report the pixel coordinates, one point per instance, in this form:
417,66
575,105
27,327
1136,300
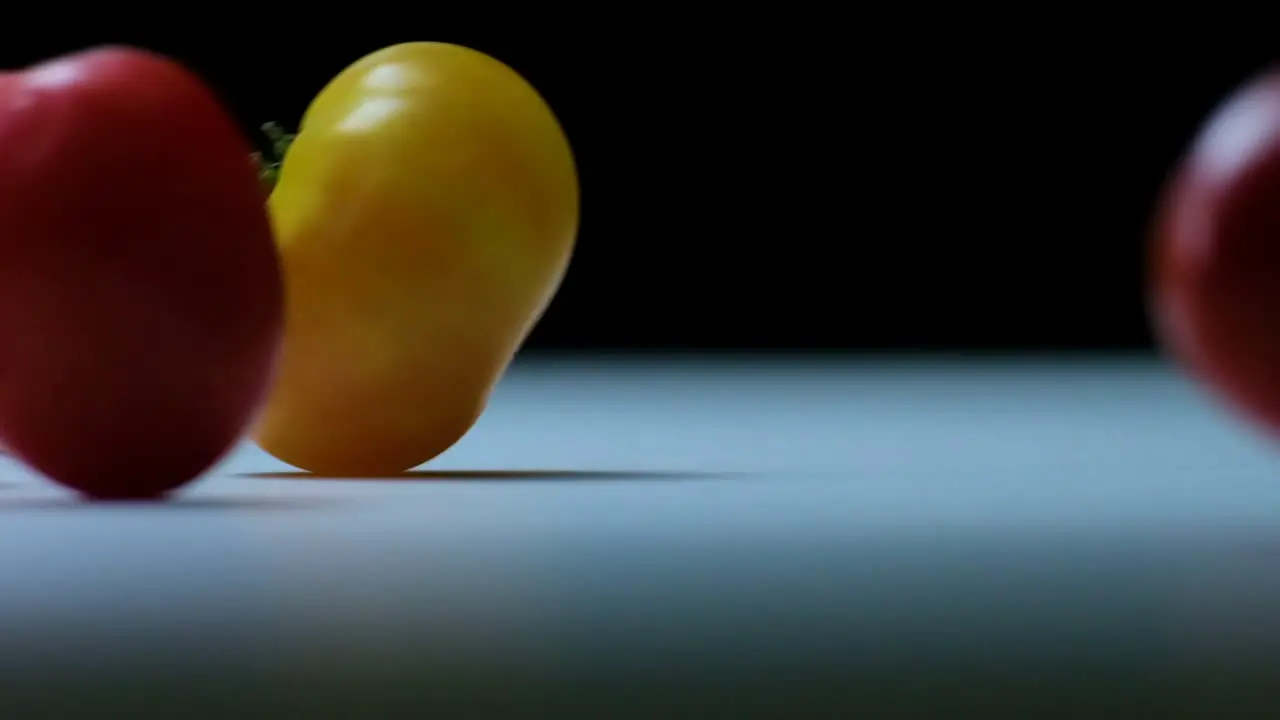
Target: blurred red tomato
1216,260
140,291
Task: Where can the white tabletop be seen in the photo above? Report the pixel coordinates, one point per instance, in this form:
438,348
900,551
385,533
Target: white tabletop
629,537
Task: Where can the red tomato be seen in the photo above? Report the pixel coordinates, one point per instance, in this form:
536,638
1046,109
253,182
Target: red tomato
1216,269
140,290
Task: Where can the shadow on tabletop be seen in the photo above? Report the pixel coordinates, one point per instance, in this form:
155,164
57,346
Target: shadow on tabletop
170,504
491,475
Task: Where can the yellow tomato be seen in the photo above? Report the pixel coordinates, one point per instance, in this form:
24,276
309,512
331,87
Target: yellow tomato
426,212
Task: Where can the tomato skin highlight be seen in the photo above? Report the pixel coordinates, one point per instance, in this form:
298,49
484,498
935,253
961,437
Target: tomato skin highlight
426,213
1216,259
141,297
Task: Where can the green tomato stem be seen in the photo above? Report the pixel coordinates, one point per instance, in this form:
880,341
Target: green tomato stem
269,167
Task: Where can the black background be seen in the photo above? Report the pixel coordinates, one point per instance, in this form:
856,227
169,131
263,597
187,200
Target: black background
770,190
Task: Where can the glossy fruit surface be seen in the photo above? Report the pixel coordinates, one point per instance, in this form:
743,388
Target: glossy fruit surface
426,212
1216,261
141,303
